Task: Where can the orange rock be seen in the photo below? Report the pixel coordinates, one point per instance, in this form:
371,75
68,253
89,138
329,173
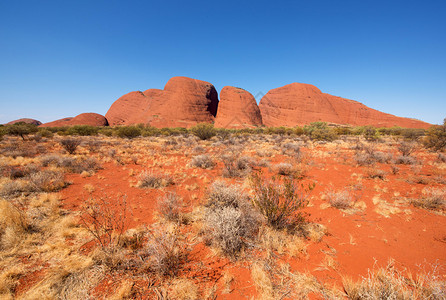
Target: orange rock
300,104
91,119
237,109
25,120
184,102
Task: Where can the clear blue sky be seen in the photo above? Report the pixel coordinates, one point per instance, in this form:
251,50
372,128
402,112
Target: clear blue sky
61,58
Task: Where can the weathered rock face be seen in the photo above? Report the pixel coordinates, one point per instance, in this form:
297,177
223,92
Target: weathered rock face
25,120
300,104
91,119
184,102
237,109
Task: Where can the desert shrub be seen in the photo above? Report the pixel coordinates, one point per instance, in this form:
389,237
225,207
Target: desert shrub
285,169
436,137
203,161
236,166
319,131
441,158
106,131
405,160
148,179
376,173
70,145
46,181
407,148
433,198
83,130
370,133
105,219
280,202
412,134
44,132
291,149
230,220
170,206
339,199
166,252
21,129
129,132
204,131
12,222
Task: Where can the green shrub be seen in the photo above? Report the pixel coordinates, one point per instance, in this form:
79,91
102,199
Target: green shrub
83,130
129,132
106,131
204,131
280,202
370,133
436,137
320,131
44,132
70,145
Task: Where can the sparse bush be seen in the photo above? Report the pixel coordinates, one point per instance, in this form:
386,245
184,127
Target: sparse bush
407,148
376,173
229,219
129,132
203,161
433,199
436,137
45,133
285,169
405,160
70,145
204,131
167,252
370,133
236,166
412,134
280,202
148,179
170,206
46,181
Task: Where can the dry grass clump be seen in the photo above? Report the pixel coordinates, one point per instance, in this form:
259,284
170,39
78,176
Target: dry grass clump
170,206
405,160
285,169
166,251
390,283
13,223
339,199
376,173
236,166
433,198
407,148
280,202
203,161
71,164
41,181
230,220
149,179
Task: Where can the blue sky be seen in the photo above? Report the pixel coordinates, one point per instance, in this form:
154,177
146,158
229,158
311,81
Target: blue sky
61,58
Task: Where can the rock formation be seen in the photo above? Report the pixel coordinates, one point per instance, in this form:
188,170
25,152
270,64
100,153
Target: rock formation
184,102
237,109
91,119
25,120
300,104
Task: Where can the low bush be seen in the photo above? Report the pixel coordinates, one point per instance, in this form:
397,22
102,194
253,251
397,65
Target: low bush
236,166
203,161
129,132
148,179
280,202
230,221
339,199
405,160
204,131
407,148
319,131
170,206
436,137
83,130
70,145
433,199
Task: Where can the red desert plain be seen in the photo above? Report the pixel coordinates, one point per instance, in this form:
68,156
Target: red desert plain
180,194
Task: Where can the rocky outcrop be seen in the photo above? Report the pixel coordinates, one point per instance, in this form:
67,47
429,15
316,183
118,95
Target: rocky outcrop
25,120
184,102
237,109
91,119
300,104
